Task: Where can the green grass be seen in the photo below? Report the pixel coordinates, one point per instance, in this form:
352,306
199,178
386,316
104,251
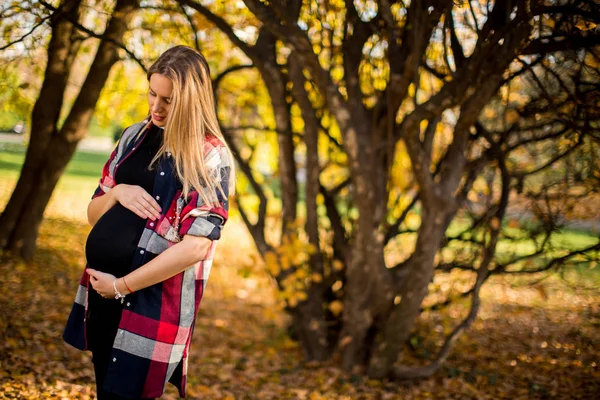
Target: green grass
83,164
74,189
566,240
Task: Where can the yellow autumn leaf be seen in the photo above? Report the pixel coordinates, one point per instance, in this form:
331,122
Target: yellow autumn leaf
336,307
585,25
337,265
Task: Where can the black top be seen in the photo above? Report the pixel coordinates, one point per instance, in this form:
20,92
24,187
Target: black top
112,242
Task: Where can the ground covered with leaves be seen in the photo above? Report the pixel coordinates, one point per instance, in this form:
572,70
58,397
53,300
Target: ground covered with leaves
529,342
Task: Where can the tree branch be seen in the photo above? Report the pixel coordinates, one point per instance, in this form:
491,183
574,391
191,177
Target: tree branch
483,274
217,81
99,36
220,23
501,269
22,38
546,45
192,26
245,168
299,41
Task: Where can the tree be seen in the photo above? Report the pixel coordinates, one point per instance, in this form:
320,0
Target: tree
419,125
424,112
52,146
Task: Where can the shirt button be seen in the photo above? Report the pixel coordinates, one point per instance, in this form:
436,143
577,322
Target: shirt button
162,173
151,223
141,251
157,197
128,304
114,359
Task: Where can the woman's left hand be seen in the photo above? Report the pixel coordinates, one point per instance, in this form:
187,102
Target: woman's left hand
102,283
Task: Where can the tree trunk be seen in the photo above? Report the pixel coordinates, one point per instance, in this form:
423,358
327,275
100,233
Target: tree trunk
51,149
368,291
374,327
275,83
398,326
62,49
48,172
309,319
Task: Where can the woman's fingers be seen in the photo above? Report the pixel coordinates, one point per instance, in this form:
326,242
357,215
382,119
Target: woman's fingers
144,209
138,200
138,211
152,205
151,200
101,282
141,210
149,214
148,206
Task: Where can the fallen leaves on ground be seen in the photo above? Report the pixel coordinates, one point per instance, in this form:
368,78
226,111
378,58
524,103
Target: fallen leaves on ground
523,345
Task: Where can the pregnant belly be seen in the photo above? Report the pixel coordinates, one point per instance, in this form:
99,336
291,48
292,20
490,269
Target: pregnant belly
112,242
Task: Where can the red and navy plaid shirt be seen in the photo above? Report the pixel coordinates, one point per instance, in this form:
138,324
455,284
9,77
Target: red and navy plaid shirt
153,340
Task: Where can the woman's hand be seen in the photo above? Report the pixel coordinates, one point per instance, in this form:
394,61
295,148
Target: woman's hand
137,200
102,283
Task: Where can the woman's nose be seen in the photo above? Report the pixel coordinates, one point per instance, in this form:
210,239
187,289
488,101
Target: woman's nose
156,106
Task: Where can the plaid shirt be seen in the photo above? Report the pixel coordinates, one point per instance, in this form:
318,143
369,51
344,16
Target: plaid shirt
155,331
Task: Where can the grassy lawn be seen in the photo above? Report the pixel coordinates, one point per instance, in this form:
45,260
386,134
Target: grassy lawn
74,188
532,339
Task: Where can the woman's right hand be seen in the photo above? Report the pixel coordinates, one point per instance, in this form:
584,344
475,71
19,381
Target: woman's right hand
137,200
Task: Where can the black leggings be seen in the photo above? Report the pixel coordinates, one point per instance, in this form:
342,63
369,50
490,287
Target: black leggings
102,325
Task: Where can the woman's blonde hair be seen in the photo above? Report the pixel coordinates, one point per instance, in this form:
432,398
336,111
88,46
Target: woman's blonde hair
191,118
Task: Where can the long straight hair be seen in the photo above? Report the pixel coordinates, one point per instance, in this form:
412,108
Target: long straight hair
191,118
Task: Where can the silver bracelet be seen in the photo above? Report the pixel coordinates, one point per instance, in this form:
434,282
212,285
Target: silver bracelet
118,294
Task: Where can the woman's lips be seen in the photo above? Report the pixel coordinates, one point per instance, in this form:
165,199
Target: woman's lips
158,118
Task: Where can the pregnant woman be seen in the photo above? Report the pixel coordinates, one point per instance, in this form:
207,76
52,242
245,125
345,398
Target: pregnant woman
157,213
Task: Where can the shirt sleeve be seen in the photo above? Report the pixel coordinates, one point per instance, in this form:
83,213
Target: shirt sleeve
107,180
200,219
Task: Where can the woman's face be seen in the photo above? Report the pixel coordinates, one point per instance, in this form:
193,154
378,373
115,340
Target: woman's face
159,98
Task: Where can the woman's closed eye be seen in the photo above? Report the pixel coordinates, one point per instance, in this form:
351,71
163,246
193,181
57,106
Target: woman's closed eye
167,100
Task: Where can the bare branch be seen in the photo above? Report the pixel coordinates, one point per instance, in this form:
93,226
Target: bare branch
547,45
217,81
475,24
340,236
247,171
192,26
550,162
553,263
457,50
221,24
22,38
392,231
404,372
99,36
299,41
